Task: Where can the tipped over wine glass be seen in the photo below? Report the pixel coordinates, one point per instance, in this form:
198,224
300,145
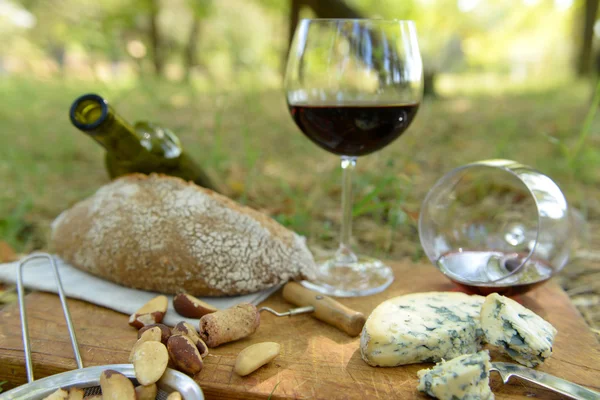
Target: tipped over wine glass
497,226
353,86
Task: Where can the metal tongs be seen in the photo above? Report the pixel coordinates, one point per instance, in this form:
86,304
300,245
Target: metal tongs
84,378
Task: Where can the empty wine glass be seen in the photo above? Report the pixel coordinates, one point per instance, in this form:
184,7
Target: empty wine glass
496,226
353,86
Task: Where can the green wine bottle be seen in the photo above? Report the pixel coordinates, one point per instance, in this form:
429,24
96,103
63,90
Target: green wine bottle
143,148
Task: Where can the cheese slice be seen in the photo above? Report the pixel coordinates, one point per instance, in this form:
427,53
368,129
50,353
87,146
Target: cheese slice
466,377
525,336
422,327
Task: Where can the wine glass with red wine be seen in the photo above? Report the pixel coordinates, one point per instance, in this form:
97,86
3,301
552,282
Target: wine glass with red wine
353,86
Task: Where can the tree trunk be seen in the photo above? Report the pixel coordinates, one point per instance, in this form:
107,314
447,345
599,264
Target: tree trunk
322,8
429,84
58,54
155,39
584,58
332,9
190,60
295,7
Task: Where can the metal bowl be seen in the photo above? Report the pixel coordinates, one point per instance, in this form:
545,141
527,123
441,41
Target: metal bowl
89,379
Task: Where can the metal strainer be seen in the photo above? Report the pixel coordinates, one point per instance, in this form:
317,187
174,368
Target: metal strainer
84,378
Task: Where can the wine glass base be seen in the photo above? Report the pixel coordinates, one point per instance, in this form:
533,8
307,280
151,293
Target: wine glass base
364,277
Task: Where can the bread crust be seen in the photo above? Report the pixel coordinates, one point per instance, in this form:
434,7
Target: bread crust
162,234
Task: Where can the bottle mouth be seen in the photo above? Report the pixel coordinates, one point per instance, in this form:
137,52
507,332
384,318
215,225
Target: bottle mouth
88,112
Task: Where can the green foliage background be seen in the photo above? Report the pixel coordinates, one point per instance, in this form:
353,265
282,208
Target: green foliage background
504,76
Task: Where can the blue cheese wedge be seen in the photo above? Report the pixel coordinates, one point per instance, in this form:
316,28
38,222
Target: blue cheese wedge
466,377
525,336
422,327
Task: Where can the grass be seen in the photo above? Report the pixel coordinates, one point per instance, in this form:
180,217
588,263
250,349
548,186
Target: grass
273,391
249,142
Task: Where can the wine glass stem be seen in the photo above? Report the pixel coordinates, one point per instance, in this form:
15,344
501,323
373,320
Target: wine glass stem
344,253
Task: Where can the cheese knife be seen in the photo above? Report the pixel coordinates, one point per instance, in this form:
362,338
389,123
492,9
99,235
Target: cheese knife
558,385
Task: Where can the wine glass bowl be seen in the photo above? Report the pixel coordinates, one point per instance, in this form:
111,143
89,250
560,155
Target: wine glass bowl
496,226
353,86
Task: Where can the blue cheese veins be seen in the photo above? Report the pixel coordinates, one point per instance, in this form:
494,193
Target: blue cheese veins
525,336
422,327
466,377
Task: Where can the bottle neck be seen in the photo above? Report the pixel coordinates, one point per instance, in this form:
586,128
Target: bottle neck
92,115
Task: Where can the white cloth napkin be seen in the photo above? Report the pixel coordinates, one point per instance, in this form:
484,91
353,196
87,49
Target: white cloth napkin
38,274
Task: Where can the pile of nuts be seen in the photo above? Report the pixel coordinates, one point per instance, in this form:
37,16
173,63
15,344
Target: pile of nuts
159,346
182,347
187,347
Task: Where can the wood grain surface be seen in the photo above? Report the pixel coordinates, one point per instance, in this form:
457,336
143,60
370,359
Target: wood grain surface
316,361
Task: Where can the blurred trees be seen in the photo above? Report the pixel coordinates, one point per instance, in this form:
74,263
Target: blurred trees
514,38
244,40
390,10
103,29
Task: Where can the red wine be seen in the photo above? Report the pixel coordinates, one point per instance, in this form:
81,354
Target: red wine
353,130
467,267
508,291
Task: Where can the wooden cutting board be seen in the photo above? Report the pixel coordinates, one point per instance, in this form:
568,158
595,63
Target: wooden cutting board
316,361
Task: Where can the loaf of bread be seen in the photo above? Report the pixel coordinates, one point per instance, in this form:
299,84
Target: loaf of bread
162,234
